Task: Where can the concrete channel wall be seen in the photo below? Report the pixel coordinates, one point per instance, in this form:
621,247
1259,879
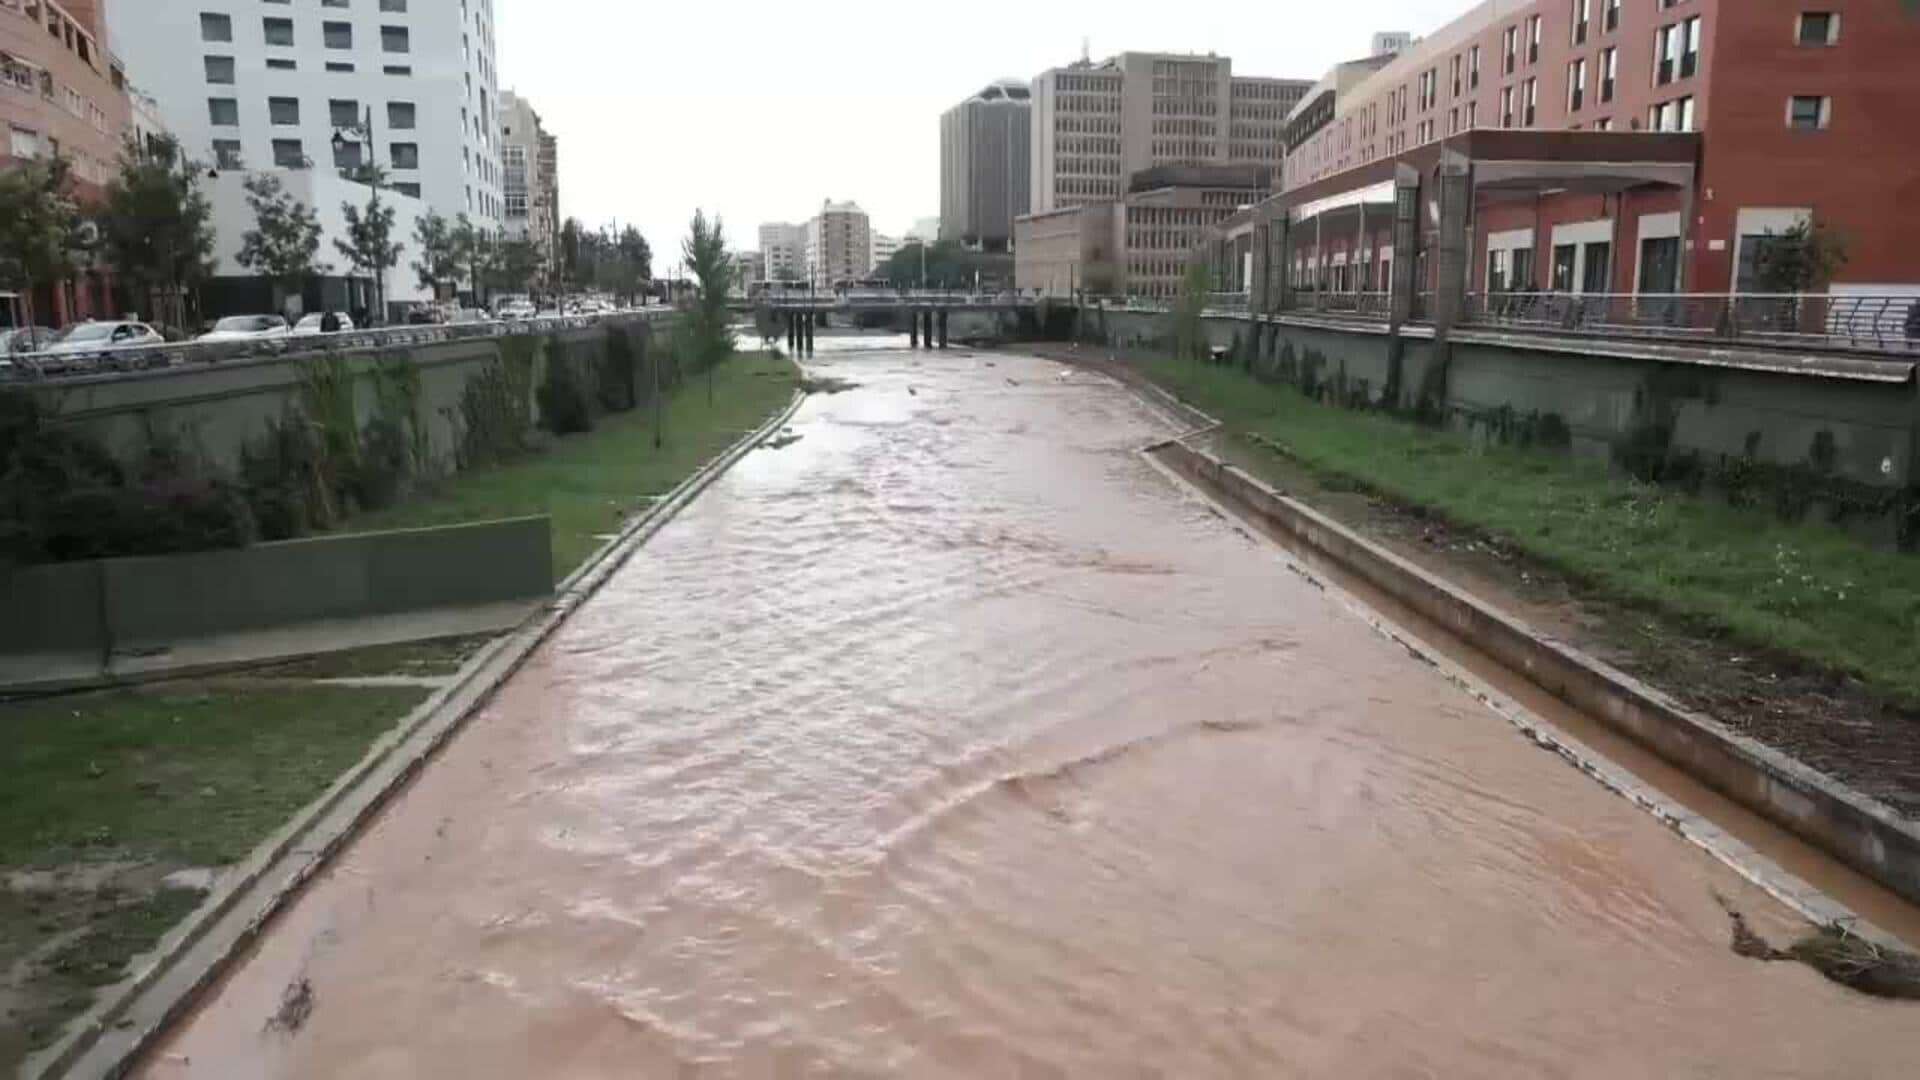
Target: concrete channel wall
89,611
216,410
1842,417
1864,833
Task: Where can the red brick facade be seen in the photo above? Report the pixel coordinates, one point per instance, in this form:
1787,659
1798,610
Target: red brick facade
1731,75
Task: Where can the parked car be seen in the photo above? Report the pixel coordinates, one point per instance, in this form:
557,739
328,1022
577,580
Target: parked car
468,315
89,346
517,309
310,325
16,343
246,328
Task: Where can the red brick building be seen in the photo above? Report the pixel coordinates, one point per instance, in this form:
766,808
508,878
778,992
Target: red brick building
1804,109
62,92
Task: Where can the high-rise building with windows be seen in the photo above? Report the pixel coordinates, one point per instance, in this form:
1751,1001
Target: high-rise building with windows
407,85
986,175
783,251
839,244
529,189
1096,124
1778,114
62,92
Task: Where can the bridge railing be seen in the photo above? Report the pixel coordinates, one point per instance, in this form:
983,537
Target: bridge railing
110,361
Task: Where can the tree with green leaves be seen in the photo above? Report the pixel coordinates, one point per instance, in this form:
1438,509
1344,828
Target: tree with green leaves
37,222
636,263
285,237
570,237
439,261
1189,332
474,255
709,323
369,246
156,226
1799,260
515,265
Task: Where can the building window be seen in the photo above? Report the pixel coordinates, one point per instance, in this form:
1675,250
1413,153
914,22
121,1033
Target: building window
23,143
1576,85
337,35
333,3
1818,28
1612,19
343,113
406,155
398,7
394,39
340,66
1605,123
1533,100
283,110
397,69
288,154
226,153
223,112
1809,113
348,155
1675,115
408,188
1609,71
1506,107
1473,68
220,70
400,115
1533,40
1690,47
277,31
1582,12
215,27
1510,48
281,63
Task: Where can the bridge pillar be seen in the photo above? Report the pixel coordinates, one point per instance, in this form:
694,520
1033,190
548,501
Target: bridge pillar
943,329
926,327
792,326
913,329
809,333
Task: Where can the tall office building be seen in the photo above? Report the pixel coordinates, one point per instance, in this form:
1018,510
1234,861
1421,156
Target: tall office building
986,148
783,251
839,244
1096,124
880,248
246,84
529,193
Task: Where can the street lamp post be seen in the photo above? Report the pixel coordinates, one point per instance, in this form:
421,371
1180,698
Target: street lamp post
363,134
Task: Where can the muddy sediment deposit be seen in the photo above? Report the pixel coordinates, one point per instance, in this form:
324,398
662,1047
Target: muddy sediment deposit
951,739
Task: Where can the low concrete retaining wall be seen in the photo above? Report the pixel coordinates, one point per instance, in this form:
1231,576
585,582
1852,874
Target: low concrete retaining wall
1849,418
93,610
1860,831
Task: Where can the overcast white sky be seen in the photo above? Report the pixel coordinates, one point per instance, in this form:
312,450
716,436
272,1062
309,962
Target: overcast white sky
759,110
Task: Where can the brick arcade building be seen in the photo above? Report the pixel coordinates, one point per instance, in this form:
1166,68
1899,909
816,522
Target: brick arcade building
1764,114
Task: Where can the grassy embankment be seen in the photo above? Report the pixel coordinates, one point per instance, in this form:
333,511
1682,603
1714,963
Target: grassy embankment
108,793
1805,591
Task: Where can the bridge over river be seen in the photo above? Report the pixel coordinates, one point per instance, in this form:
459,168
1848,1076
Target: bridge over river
954,739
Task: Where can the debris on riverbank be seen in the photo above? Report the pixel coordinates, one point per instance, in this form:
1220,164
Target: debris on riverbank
1840,955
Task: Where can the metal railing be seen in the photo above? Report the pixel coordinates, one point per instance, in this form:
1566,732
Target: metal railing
895,298
1867,323
111,361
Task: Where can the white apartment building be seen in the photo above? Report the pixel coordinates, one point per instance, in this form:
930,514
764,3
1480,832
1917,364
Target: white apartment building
783,251
290,83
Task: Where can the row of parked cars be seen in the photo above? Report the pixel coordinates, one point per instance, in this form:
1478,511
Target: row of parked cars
128,345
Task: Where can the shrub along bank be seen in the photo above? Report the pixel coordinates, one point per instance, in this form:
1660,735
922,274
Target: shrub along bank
321,463
1798,588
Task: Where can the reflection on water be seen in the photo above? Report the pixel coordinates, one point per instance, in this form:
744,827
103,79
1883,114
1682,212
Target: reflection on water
950,740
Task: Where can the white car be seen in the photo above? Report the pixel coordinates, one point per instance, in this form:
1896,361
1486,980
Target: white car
246,328
516,309
309,325
90,345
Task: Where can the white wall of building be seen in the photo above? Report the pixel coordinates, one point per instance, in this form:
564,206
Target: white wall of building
446,73
326,193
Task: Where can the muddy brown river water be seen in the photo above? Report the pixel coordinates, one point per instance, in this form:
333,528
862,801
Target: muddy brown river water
954,740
